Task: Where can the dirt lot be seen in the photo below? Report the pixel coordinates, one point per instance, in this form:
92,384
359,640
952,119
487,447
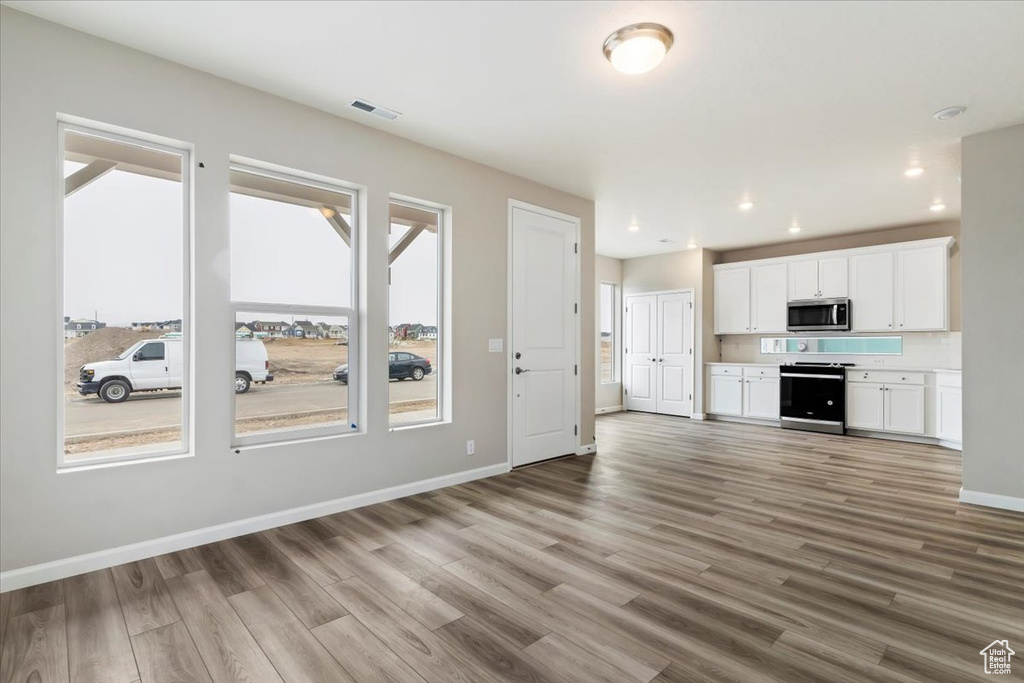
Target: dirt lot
304,360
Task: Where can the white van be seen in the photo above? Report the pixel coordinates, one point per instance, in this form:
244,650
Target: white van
155,364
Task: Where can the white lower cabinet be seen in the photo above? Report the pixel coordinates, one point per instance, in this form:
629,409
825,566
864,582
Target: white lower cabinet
904,408
948,407
751,391
761,397
865,406
886,401
726,395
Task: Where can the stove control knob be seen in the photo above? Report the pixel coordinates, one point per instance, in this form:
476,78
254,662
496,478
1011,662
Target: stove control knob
830,402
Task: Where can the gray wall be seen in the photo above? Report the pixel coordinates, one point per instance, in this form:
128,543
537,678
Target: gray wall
46,515
681,270
608,395
993,311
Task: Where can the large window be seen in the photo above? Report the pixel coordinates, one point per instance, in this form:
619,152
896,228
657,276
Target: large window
293,286
607,334
125,348
415,310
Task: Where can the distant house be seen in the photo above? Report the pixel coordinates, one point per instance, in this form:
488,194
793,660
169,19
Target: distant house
274,329
79,327
337,332
243,330
304,329
428,332
157,326
391,334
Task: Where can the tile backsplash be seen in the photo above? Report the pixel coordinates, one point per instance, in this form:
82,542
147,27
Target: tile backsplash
920,350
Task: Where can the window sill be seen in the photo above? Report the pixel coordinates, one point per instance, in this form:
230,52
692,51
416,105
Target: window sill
101,462
291,440
418,425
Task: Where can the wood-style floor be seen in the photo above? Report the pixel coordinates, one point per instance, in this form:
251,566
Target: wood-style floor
683,551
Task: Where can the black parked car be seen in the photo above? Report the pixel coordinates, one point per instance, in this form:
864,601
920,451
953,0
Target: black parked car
401,365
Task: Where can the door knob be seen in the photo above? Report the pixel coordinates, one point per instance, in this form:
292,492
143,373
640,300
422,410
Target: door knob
520,371
518,355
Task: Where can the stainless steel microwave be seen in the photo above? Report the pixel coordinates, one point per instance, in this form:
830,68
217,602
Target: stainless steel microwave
817,315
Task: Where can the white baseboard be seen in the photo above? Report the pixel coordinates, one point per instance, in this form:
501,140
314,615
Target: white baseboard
587,449
698,416
609,409
992,500
72,566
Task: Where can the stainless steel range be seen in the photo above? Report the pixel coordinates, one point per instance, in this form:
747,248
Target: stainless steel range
813,397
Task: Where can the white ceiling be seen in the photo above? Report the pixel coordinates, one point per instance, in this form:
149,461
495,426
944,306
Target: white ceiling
812,109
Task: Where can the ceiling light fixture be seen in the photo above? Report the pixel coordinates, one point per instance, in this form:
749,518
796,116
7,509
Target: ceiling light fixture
746,205
691,245
638,48
794,228
914,171
937,206
633,227
949,112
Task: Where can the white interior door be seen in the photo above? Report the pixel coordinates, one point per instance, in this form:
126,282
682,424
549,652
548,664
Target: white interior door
675,349
544,310
640,341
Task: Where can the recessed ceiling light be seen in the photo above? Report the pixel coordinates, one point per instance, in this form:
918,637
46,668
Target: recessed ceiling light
633,227
691,245
794,228
638,48
949,112
746,205
914,171
937,206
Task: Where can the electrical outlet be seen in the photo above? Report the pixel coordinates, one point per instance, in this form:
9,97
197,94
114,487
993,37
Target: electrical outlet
470,447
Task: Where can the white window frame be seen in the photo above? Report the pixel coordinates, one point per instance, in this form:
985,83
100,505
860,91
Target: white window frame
351,426
444,225
133,138
616,379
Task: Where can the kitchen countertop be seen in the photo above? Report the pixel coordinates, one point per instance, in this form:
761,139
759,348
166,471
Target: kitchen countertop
894,368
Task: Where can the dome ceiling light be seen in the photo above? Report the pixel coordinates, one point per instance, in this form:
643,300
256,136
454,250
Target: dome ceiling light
638,48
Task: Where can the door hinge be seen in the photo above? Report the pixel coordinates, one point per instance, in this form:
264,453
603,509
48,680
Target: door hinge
575,247
626,392
691,397
576,430
575,308
691,352
691,304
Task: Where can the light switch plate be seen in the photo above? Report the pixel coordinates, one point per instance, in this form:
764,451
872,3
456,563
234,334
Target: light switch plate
495,345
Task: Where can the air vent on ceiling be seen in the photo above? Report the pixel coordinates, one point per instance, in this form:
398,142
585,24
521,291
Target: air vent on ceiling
383,112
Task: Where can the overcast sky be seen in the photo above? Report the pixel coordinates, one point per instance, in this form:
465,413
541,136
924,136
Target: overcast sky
123,255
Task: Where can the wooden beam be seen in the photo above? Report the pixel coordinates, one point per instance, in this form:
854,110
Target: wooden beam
403,244
85,175
340,225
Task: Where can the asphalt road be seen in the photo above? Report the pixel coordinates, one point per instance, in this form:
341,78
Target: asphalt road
144,410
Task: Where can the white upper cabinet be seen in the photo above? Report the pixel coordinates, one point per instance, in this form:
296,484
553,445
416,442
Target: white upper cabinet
824,278
922,289
892,288
803,280
732,301
871,292
833,282
768,298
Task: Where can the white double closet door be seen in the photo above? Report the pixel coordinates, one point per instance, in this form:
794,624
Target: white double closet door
658,349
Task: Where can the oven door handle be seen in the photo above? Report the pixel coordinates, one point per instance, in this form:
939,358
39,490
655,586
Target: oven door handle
789,374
